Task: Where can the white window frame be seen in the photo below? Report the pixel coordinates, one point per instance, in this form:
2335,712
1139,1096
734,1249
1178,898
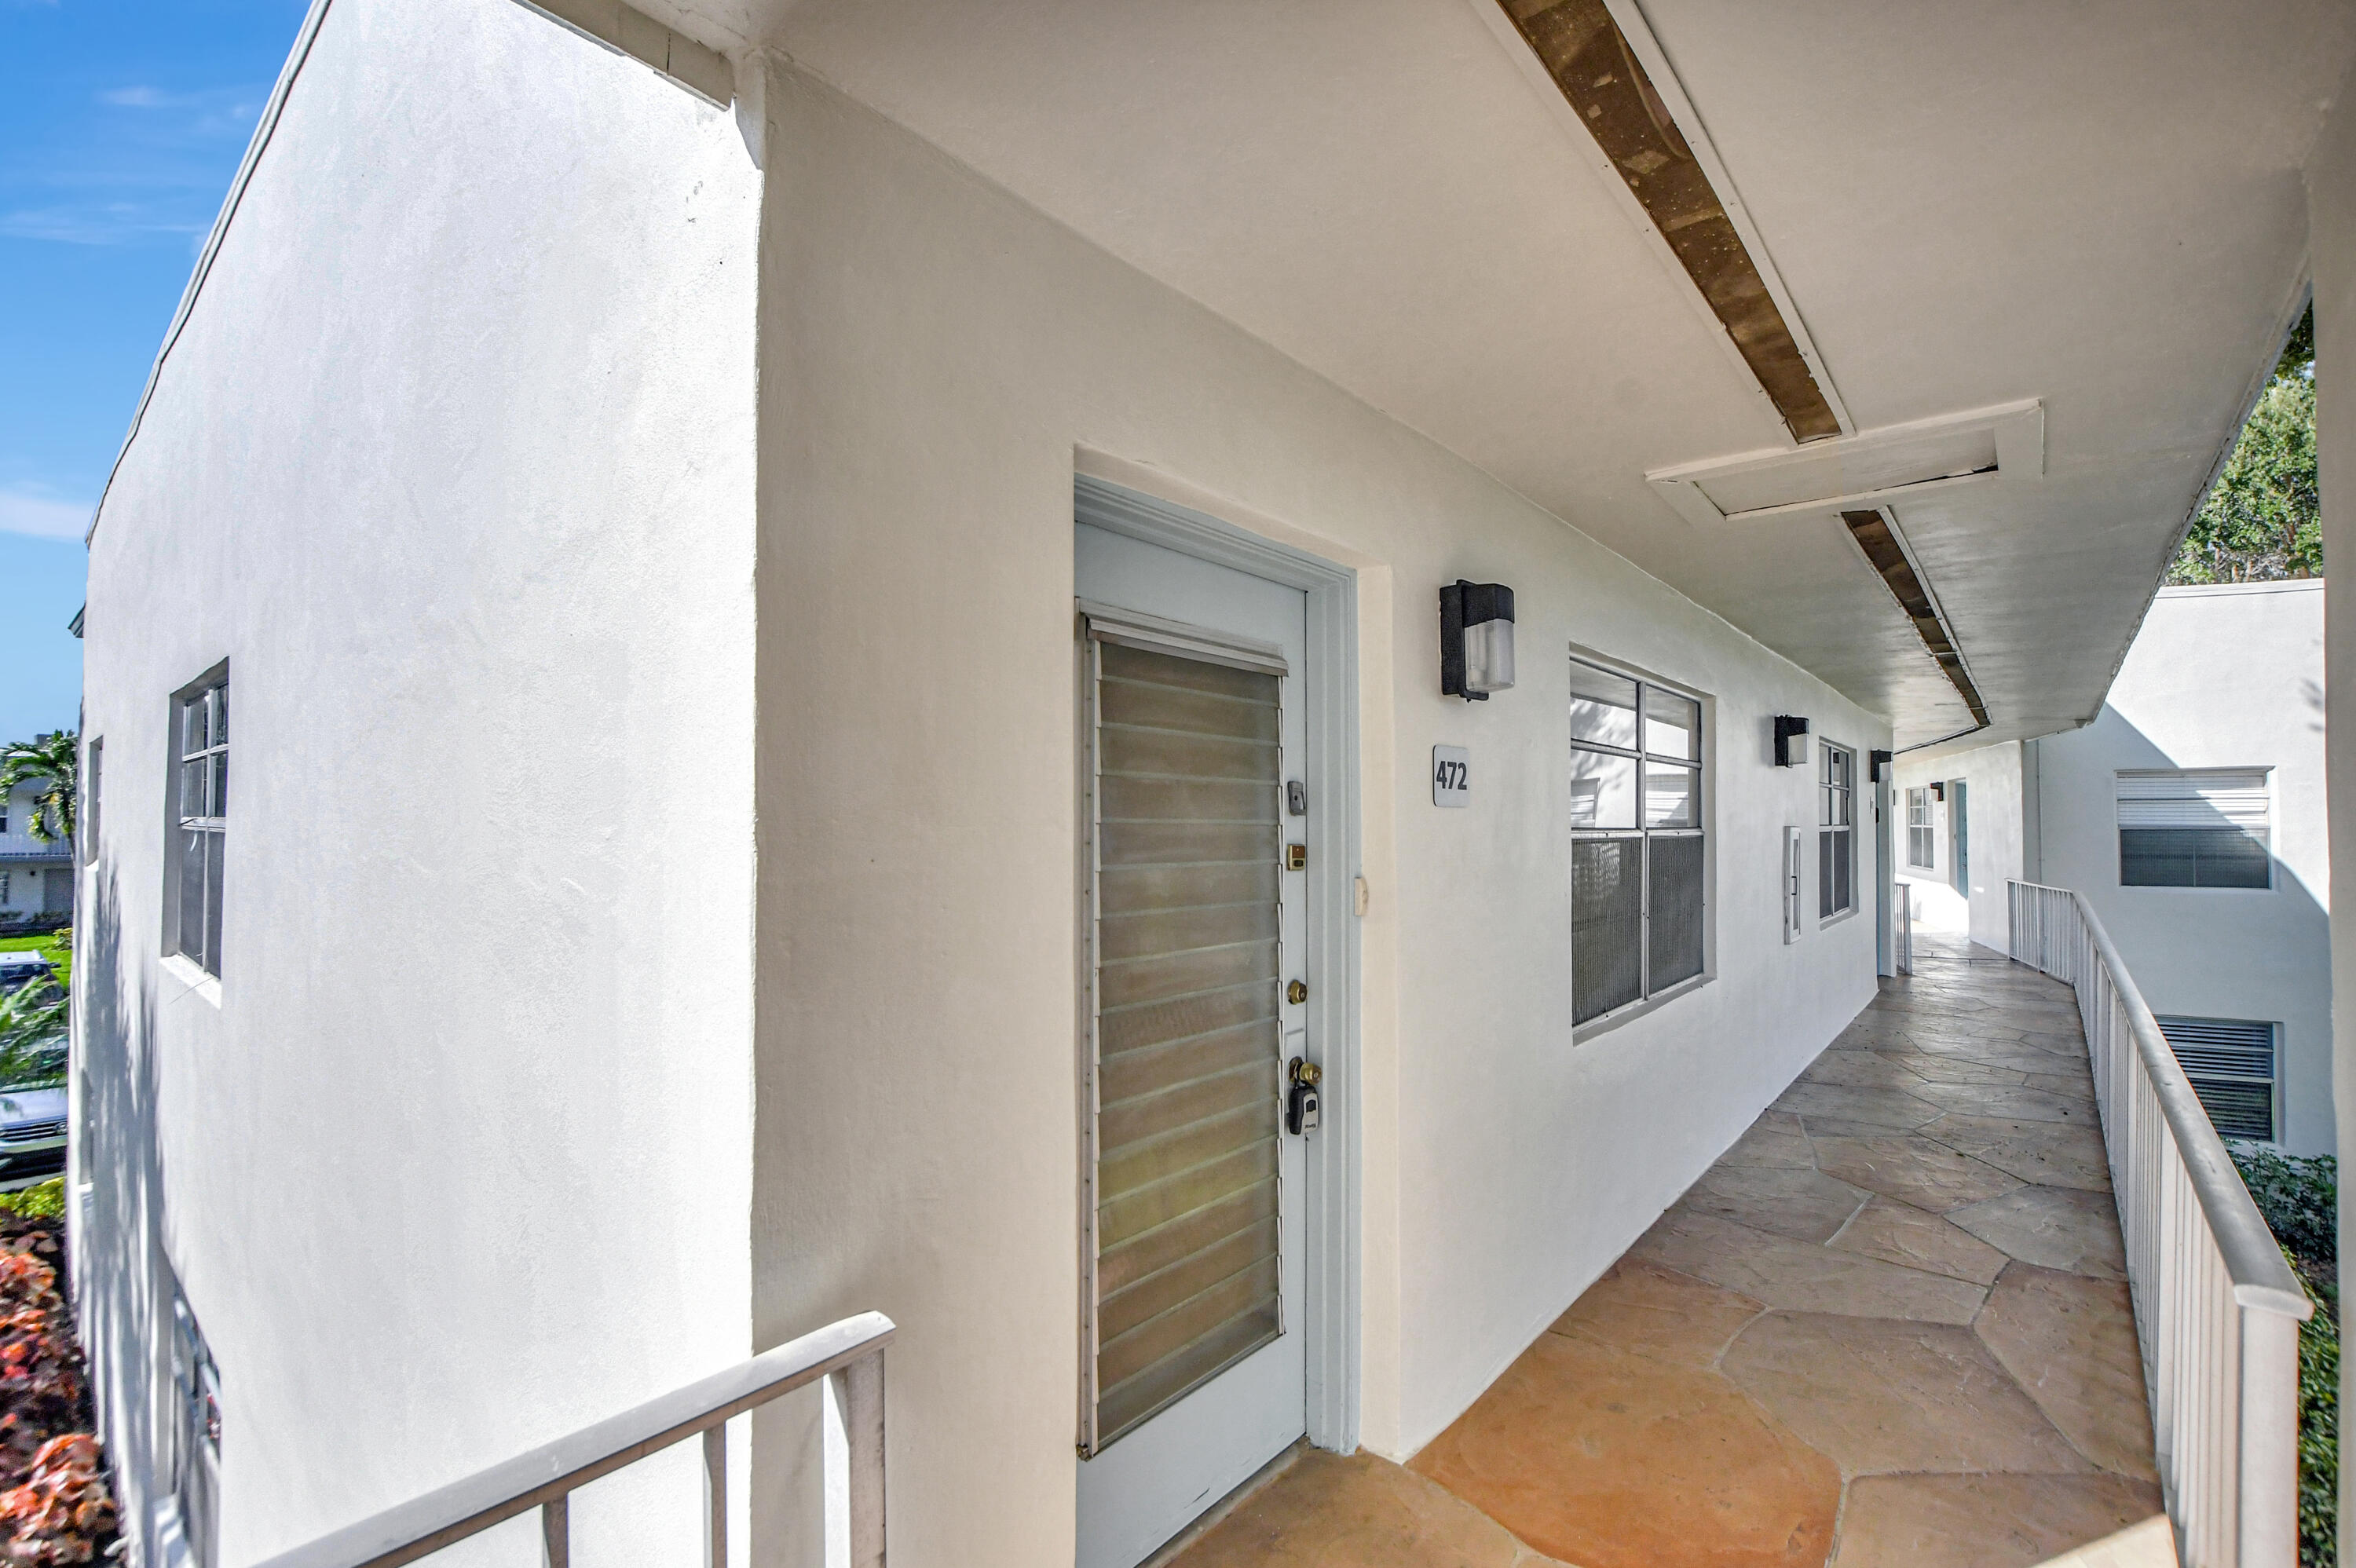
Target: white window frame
1704,766
205,960
1844,794
193,1390
1919,798
2118,828
2173,1027
93,777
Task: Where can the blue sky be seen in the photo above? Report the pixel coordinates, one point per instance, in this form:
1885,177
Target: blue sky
120,125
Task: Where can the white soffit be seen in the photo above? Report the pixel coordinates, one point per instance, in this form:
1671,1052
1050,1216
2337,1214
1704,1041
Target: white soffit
1873,468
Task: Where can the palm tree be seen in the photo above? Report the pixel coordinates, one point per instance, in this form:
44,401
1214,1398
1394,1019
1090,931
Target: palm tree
32,1036
51,759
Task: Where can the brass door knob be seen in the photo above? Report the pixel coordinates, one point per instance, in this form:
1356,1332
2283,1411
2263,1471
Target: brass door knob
1297,992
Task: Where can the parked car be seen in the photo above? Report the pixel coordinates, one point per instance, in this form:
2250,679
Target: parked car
33,1107
23,967
33,1132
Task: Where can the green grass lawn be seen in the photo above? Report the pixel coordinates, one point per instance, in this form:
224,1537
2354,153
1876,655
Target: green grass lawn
43,943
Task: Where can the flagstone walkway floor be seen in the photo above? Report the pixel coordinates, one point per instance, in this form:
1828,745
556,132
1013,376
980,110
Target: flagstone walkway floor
1889,1327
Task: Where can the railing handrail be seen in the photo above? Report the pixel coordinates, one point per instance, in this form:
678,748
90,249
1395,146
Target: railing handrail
2217,1307
545,1474
2253,1258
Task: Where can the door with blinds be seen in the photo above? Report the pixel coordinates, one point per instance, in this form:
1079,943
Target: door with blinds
1193,1371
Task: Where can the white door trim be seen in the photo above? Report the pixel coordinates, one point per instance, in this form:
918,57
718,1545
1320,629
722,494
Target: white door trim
1330,1316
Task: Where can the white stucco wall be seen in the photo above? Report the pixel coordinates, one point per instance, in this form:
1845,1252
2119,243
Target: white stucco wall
935,355
2331,253
2224,677
1992,807
453,465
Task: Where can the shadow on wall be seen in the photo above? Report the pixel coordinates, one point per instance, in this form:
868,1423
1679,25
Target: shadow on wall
2123,745
120,1297
2173,946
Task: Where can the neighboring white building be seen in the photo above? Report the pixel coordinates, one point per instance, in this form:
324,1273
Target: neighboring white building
696,665
2193,812
37,876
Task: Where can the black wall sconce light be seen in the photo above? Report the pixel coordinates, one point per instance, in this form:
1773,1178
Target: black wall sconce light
1791,741
1879,761
1476,639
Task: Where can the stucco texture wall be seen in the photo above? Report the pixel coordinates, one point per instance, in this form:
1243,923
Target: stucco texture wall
2229,676
2331,253
936,359
1993,827
453,465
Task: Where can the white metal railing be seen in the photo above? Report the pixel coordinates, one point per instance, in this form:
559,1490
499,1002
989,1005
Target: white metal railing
850,1352
2216,1308
1901,944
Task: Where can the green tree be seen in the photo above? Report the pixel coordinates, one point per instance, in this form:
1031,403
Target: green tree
2262,520
51,760
32,1036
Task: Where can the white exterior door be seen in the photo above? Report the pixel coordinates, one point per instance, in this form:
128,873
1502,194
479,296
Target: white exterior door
1193,1365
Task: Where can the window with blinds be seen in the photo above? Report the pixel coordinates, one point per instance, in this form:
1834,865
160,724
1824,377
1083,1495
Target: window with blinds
1637,865
1835,830
2231,1063
1185,784
2206,827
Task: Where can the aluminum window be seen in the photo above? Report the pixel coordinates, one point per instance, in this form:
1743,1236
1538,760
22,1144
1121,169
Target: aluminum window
91,775
196,1433
1836,830
2232,1065
1637,862
1919,841
198,791
2201,827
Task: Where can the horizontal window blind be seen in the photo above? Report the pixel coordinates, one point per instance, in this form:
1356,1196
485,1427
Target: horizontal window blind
1187,848
2194,828
2214,797
2231,1064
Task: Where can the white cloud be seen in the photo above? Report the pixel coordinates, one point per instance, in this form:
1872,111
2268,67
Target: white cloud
97,223
42,517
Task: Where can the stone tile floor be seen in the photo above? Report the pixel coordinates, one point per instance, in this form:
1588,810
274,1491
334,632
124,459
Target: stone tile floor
1889,1327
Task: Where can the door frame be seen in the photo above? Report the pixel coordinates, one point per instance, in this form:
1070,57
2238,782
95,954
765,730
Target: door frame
1330,1316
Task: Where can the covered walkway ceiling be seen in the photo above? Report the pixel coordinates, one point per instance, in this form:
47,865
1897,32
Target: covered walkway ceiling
2095,209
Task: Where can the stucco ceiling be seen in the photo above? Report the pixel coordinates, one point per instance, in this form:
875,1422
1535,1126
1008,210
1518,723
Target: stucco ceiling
2097,206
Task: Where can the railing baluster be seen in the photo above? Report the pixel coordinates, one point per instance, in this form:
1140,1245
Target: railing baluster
715,1497
556,1533
859,1394
543,1479
2216,1309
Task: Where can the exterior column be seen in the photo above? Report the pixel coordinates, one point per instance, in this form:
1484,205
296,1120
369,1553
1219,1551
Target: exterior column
2331,251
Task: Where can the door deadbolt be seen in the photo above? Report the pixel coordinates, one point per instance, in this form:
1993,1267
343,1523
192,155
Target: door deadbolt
1297,992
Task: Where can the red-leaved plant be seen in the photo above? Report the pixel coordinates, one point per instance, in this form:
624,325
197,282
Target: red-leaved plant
55,1503
63,1510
